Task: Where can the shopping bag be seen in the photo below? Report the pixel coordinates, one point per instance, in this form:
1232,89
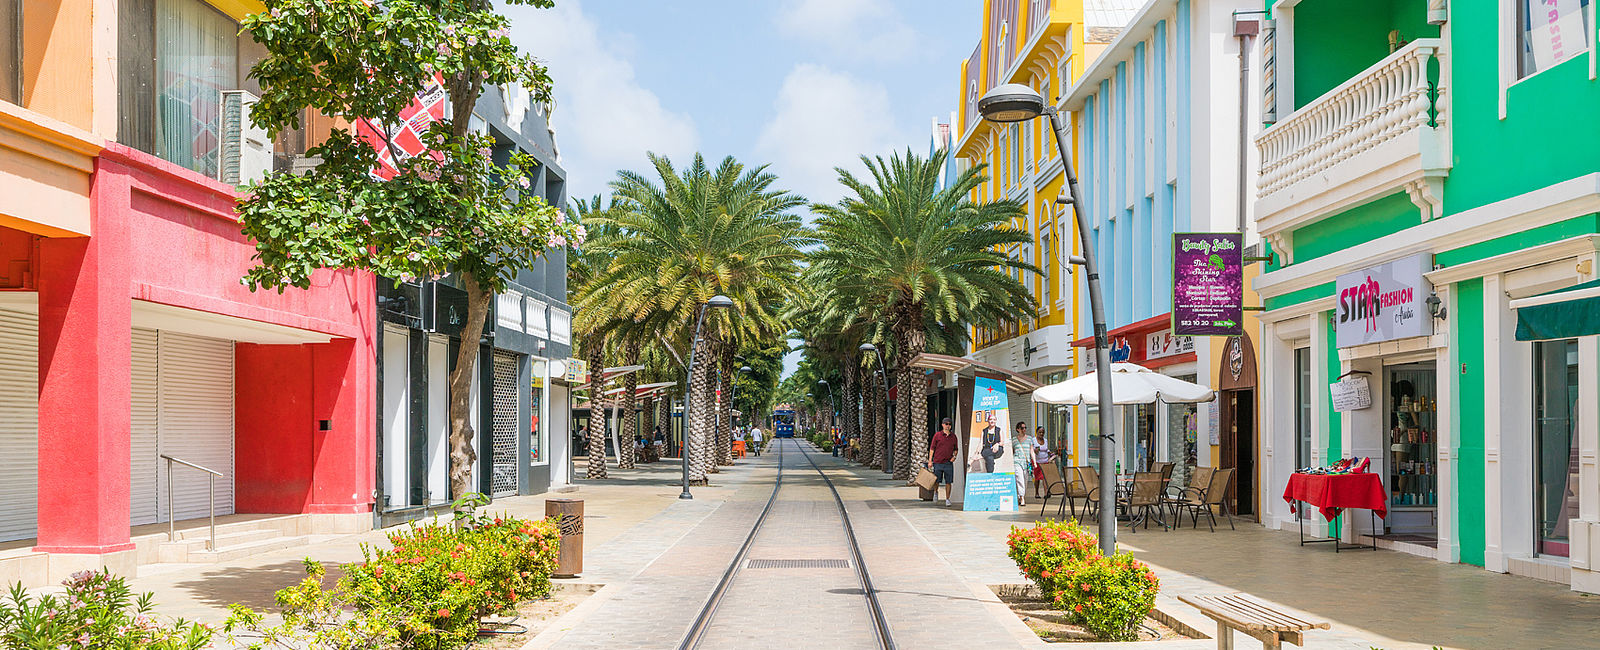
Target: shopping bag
925,479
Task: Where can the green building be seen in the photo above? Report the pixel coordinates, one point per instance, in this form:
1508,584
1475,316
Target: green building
1429,180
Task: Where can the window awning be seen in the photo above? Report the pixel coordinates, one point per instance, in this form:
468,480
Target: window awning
1014,381
1565,313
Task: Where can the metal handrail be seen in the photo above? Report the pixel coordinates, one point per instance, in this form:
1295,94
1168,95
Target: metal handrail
211,488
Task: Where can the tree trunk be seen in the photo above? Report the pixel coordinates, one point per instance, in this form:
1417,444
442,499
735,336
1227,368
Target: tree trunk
630,417
869,424
463,453
849,409
911,412
880,425
698,421
595,351
725,404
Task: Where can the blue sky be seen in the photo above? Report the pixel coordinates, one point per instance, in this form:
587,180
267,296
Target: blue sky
803,85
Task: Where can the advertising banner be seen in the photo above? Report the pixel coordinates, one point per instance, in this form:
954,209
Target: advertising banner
406,133
1207,284
991,477
1383,303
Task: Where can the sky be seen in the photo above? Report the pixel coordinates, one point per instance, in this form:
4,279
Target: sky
802,85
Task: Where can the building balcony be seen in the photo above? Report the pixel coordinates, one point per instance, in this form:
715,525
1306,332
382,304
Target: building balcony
1381,132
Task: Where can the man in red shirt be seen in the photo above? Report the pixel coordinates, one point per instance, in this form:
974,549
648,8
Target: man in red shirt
941,455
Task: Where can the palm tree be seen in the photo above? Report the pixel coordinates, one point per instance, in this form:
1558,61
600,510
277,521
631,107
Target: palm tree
924,256
686,236
584,267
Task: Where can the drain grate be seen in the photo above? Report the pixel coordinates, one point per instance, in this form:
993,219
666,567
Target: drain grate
798,564
879,504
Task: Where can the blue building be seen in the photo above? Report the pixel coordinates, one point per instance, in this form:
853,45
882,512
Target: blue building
1158,132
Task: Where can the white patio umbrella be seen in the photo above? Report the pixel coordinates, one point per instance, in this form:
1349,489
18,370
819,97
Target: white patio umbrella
1130,384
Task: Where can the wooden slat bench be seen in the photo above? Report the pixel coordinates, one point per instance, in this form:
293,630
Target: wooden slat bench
1254,617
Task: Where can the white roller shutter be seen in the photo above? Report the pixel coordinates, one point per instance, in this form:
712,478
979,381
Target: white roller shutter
196,418
19,425
1020,408
144,465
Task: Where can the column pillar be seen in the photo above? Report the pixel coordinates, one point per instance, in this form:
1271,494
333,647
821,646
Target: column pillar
85,350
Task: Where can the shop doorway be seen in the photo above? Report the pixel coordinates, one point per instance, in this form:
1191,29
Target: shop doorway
1238,448
1410,398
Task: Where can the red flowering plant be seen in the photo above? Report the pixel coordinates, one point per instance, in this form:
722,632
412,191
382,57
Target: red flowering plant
431,588
1043,552
1107,596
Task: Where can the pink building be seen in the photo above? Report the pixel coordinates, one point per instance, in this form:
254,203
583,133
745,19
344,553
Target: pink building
128,346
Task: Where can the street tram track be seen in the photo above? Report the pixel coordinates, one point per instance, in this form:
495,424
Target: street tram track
702,622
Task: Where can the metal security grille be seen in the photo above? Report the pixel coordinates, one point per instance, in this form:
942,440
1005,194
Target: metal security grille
798,564
505,424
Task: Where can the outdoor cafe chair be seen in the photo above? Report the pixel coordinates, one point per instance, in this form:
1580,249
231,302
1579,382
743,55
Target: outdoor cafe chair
1178,498
1215,498
1144,500
1087,486
1052,483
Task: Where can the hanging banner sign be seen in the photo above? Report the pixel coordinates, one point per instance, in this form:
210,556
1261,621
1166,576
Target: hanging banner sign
405,134
1383,303
1207,284
991,477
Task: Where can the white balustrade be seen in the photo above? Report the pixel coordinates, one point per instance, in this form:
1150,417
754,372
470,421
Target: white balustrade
1384,102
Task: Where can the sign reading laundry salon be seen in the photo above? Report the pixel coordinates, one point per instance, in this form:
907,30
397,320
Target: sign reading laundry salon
1383,303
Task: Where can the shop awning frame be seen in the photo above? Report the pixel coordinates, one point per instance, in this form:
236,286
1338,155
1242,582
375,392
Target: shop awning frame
1561,314
1016,382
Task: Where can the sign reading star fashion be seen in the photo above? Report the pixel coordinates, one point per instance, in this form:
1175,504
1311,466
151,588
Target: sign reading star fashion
1383,303
1207,284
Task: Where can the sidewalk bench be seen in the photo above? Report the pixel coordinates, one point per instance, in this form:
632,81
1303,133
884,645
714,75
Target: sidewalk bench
1254,617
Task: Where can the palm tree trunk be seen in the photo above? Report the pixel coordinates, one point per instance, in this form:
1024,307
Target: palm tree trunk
725,405
597,414
850,410
698,434
630,417
911,417
463,454
880,426
869,424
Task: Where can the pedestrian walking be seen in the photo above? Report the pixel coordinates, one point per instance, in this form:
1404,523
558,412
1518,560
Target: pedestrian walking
1022,457
756,440
1041,456
941,458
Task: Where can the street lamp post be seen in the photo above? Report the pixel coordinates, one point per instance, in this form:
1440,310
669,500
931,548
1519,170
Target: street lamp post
833,404
888,439
1018,103
720,302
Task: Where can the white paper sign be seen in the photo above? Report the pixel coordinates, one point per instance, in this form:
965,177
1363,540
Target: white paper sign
1352,394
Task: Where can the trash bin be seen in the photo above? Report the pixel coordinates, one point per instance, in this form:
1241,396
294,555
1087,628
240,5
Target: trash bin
568,514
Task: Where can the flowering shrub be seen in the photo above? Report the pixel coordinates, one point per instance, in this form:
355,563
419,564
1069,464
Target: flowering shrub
97,611
428,592
1107,596
1043,552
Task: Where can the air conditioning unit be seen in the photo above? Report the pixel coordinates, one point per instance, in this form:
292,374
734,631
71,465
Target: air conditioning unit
246,151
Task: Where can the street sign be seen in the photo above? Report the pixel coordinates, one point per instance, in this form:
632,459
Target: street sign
1207,284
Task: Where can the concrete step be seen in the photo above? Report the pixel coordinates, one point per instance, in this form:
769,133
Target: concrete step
246,549
181,550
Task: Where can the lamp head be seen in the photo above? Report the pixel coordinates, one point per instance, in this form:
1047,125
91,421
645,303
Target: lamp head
1011,103
868,347
822,382
744,369
719,301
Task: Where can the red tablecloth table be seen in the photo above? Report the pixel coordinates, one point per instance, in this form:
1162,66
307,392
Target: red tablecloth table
1331,493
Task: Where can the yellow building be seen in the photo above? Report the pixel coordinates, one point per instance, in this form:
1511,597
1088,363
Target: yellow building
1046,45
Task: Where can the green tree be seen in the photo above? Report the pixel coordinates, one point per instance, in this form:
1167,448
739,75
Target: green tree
449,211
683,237
923,260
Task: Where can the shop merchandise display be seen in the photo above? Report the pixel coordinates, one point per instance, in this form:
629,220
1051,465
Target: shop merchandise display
1344,466
1412,472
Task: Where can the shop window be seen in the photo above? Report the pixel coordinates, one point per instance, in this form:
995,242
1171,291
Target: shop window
1555,458
11,51
175,59
1091,421
1302,400
1549,32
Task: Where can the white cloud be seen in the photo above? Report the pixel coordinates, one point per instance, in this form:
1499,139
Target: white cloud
825,119
604,119
871,29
